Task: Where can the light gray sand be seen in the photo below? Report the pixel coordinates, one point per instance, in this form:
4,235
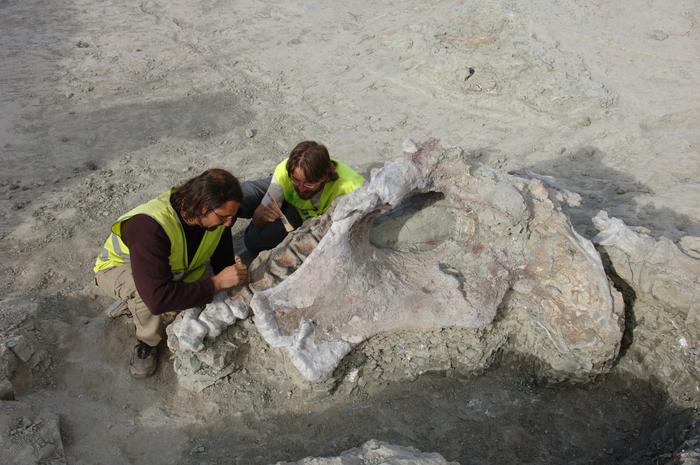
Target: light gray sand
105,104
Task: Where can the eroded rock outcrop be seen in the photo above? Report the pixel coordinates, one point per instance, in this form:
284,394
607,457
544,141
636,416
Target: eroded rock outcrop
29,435
432,242
663,287
17,343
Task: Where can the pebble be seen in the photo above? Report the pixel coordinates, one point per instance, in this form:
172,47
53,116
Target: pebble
250,133
21,347
584,122
353,375
658,35
200,449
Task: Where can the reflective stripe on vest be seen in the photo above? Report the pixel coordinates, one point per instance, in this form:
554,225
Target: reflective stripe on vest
104,253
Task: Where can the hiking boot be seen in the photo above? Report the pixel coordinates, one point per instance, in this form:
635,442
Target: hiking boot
144,360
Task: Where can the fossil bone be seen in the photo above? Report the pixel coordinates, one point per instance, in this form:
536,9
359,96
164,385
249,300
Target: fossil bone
431,243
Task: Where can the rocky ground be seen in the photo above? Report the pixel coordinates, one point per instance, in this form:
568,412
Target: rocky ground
105,104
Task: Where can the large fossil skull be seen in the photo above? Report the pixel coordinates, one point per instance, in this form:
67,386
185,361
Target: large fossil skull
431,242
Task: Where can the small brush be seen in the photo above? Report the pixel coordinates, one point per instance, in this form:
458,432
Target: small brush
287,225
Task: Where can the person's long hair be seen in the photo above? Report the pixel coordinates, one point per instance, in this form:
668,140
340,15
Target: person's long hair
206,192
314,161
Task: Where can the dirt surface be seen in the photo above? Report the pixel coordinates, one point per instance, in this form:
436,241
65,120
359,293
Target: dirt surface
106,104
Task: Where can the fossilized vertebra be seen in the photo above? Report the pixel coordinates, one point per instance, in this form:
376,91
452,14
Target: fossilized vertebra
191,337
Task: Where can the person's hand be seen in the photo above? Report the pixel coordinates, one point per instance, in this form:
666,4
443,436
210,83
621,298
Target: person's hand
266,213
230,276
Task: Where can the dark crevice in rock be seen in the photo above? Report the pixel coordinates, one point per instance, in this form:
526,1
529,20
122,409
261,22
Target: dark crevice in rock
629,297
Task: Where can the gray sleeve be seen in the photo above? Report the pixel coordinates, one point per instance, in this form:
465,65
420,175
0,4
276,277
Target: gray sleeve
274,191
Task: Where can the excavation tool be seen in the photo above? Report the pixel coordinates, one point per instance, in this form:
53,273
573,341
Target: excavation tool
287,225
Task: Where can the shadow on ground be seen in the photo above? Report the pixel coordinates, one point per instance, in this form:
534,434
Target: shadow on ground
505,416
603,188
95,137
499,418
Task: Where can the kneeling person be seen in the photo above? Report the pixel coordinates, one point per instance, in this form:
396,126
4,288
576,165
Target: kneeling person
155,257
302,186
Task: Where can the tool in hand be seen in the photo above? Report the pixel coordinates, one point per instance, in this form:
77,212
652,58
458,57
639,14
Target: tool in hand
287,225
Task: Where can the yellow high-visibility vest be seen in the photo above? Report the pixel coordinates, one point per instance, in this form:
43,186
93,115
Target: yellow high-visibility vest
116,253
348,180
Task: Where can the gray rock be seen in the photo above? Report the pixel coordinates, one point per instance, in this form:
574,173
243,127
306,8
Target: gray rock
663,287
657,269
690,245
21,347
29,436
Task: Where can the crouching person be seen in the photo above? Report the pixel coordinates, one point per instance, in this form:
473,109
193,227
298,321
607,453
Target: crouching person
154,260
303,185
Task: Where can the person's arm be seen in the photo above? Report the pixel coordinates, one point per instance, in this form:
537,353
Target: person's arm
230,276
223,255
149,250
269,209
273,192
229,269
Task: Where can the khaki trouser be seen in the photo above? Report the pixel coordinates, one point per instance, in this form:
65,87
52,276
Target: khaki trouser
118,282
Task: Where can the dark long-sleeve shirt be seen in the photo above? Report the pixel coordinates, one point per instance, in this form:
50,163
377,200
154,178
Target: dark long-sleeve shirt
149,250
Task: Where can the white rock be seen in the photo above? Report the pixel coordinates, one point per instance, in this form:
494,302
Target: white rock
190,332
377,452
